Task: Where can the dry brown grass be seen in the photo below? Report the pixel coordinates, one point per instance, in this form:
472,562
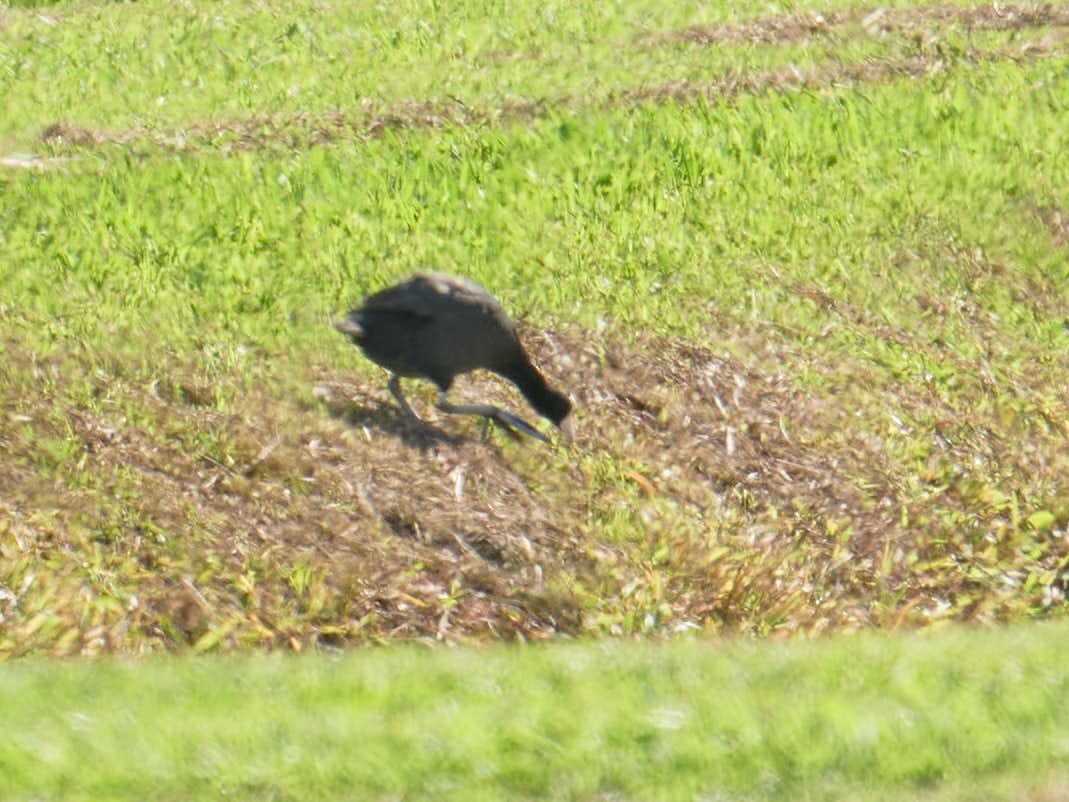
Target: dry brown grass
702,491
849,23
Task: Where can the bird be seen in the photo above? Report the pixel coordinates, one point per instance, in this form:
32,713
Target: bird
437,326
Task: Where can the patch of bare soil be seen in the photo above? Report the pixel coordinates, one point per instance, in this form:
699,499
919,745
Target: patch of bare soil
30,161
322,530
700,492
728,87
793,28
1056,222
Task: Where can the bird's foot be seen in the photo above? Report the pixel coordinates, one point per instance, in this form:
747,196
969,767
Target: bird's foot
516,425
512,424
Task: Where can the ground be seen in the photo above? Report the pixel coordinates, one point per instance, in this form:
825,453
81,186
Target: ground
891,462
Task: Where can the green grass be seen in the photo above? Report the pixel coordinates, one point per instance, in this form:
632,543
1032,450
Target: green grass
752,200
808,281
105,65
962,714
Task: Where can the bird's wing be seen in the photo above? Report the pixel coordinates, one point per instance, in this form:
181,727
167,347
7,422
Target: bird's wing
458,287
404,298
424,294
467,292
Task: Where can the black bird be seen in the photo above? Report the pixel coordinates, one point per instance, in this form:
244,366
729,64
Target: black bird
435,327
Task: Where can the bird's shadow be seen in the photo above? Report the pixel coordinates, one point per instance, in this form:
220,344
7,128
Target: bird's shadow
390,419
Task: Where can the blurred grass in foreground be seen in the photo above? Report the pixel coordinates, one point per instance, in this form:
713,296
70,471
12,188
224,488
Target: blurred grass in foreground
962,714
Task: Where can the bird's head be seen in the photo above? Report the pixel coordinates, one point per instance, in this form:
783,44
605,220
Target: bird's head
557,408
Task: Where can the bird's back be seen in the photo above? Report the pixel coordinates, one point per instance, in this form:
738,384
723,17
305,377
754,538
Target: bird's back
437,326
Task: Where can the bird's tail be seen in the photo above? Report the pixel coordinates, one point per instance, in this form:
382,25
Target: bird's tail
349,325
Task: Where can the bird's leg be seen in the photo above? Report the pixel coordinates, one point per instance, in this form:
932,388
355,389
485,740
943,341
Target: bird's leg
490,412
395,389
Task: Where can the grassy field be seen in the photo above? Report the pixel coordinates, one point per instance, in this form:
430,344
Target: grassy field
803,268
954,715
806,275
